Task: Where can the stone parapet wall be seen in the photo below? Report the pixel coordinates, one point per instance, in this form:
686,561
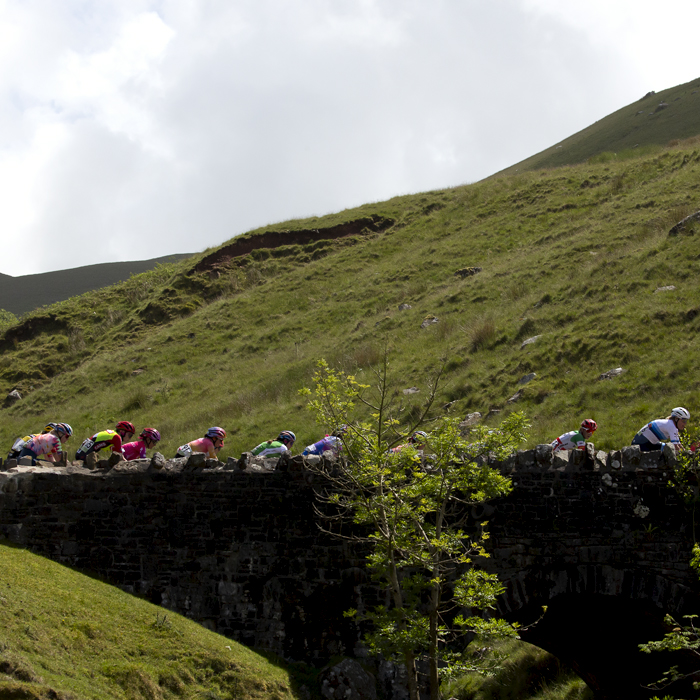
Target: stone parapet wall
240,551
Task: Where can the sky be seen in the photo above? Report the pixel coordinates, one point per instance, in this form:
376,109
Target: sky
133,129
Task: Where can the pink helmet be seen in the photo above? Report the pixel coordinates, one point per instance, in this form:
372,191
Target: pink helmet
151,434
215,432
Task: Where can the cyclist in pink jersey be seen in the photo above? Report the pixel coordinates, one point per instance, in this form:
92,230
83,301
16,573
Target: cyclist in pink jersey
137,449
47,444
210,444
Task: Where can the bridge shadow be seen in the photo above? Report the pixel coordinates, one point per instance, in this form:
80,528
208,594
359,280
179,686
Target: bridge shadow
599,635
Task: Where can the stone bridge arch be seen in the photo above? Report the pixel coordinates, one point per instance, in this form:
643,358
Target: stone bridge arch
604,543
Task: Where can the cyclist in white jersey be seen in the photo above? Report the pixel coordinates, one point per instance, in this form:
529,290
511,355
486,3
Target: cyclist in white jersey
652,436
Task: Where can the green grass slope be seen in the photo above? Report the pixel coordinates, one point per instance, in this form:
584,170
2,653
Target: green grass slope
573,255
656,120
18,295
64,636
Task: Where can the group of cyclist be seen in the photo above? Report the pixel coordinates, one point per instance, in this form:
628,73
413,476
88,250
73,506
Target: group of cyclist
48,444
650,437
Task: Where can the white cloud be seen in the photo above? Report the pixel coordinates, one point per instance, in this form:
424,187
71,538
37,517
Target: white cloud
136,128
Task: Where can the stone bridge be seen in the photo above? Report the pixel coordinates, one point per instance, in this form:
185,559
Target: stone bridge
602,540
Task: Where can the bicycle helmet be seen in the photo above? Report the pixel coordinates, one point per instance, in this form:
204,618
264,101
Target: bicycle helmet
340,430
63,429
216,433
49,427
287,435
419,436
151,434
126,426
590,425
680,412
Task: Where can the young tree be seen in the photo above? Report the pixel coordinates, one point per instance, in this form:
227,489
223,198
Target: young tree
413,509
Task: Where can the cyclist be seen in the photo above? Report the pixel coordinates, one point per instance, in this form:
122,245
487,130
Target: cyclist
137,449
210,444
47,444
331,443
19,443
575,439
123,431
652,435
276,448
418,441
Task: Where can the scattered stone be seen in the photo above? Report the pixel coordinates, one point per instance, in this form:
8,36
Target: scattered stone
493,412
412,390
516,396
529,341
683,223
12,398
527,378
612,373
448,405
471,419
428,321
662,105
138,371
467,272
404,307
347,681
669,288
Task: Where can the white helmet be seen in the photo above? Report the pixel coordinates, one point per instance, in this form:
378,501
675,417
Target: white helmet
680,412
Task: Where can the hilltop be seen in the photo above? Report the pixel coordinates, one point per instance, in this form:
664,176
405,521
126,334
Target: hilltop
646,126
69,637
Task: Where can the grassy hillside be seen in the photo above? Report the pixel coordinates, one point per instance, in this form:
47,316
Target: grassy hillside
18,295
69,637
645,126
573,255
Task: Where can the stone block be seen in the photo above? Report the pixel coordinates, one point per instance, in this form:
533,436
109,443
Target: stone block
526,458
9,464
196,459
347,680
158,462
231,464
631,456
24,462
115,458
615,459
543,455
601,459
91,460
649,460
560,460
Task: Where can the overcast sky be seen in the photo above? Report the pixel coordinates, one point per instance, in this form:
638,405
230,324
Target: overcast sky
131,129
